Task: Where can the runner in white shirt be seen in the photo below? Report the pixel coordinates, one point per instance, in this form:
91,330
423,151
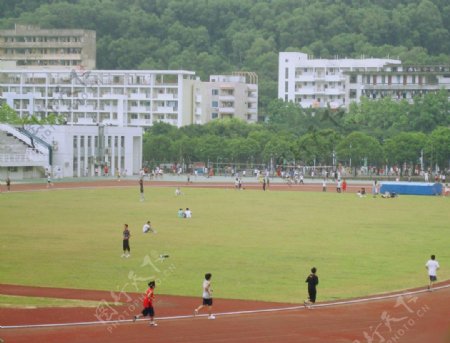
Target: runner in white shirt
207,297
432,267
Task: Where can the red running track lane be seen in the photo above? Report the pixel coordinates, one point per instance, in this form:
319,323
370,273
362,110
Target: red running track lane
419,318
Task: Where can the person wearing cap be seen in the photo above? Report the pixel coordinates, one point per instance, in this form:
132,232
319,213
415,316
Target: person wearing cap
148,304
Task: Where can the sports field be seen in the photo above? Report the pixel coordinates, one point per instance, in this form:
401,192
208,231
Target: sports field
258,245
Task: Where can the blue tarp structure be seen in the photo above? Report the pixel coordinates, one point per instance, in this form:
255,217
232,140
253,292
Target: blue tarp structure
415,188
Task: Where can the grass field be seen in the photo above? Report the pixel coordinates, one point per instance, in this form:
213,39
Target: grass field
258,245
10,301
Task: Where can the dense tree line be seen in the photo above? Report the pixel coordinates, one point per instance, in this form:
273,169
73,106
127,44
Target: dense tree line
376,133
215,36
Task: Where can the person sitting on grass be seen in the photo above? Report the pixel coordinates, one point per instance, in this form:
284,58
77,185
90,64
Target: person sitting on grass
148,228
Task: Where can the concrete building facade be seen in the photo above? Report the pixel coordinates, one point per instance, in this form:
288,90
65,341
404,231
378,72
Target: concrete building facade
118,98
230,96
128,97
33,47
320,83
398,82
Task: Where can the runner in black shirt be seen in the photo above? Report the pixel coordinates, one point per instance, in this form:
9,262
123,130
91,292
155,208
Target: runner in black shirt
126,243
312,281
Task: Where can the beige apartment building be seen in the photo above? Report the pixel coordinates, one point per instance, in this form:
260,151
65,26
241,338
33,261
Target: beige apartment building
230,96
32,47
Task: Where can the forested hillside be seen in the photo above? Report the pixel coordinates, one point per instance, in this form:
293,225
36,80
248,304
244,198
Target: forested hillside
218,36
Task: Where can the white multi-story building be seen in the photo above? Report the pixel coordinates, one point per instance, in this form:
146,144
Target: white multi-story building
111,97
319,82
398,82
129,97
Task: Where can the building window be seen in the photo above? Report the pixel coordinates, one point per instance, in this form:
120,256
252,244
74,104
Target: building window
215,92
286,73
286,87
215,104
352,93
75,142
214,115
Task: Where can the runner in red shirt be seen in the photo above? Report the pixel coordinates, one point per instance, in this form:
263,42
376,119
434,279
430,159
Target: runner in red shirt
148,304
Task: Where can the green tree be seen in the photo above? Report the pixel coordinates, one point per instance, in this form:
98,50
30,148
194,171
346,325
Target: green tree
405,147
357,149
437,148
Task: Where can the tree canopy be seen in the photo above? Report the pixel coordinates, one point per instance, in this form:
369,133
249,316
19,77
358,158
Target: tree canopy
215,36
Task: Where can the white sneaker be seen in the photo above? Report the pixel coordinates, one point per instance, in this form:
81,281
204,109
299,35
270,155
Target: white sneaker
195,312
123,255
212,317
127,255
153,324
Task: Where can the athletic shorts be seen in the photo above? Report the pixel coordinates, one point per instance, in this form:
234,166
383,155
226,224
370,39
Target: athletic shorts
148,311
433,277
207,302
126,245
312,295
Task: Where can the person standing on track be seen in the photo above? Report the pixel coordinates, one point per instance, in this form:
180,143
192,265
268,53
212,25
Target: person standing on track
432,266
148,304
207,297
312,281
126,241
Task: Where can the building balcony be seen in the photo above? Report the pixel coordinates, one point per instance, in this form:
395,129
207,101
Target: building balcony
334,91
138,96
305,77
44,57
138,109
165,109
226,110
401,86
227,98
305,91
86,108
139,122
41,45
164,96
335,78
86,121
